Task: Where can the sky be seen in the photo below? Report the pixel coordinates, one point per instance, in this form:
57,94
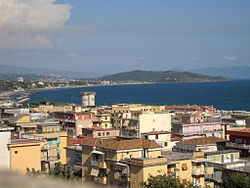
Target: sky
121,35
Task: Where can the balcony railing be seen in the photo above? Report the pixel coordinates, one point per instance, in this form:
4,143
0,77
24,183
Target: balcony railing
120,176
198,172
99,164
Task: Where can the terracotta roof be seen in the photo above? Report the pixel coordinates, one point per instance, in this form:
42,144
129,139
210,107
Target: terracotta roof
156,133
79,140
100,129
175,139
203,141
239,132
114,144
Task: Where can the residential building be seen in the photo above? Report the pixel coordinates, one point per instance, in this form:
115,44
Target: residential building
100,132
197,125
74,158
204,144
140,123
221,161
189,167
5,137
121,162
25,153
163,138
102,120
240,140
73,122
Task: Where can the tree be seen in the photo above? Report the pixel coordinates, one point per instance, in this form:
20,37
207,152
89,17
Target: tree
235,180
61,171
166,181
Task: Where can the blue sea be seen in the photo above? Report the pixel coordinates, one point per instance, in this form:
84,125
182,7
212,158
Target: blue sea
232,95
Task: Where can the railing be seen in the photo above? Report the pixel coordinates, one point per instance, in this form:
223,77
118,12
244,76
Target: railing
99,164
44,158
120,176
45,147
198,172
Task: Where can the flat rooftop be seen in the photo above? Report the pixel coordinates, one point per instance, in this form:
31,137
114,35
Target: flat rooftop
25,141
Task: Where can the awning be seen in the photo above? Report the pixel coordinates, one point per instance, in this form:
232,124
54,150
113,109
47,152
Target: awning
94,172
200,161
98,152
121,164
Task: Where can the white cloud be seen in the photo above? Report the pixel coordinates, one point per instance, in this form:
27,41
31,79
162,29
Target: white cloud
26,24
230,58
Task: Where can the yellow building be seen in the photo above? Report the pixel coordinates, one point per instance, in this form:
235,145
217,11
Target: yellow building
55,149
121,162
25,153
127,108
189,167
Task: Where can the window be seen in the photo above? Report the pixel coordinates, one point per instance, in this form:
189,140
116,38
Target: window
166,144
99,134
184,166
107,133
184,181
156,136
16,152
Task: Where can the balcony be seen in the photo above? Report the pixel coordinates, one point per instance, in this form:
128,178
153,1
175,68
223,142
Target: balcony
50,146
44,158
121,176
198,172
53,158
99,164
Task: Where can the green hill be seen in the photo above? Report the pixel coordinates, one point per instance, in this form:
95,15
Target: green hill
160,76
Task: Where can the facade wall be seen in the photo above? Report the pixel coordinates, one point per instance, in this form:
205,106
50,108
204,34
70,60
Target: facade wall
154,122
4,152
162,139
25,156
106,133
62,150
227,157
141,174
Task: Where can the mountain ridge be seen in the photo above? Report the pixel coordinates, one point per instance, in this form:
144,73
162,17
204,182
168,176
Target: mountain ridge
160,76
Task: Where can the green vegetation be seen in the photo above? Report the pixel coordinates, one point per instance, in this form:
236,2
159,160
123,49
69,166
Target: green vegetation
44,102
236,180
166,181
59,171
160,76
240,116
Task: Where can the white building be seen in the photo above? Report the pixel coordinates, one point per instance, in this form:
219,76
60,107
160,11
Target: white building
145,123
5,137
88,98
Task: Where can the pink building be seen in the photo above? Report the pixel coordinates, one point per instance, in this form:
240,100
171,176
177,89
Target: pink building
195,126
73,122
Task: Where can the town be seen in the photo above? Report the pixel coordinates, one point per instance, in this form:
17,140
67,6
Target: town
125,144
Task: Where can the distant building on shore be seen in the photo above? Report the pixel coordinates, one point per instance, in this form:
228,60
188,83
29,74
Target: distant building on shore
88,98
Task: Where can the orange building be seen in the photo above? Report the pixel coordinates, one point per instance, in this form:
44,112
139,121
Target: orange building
25,153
